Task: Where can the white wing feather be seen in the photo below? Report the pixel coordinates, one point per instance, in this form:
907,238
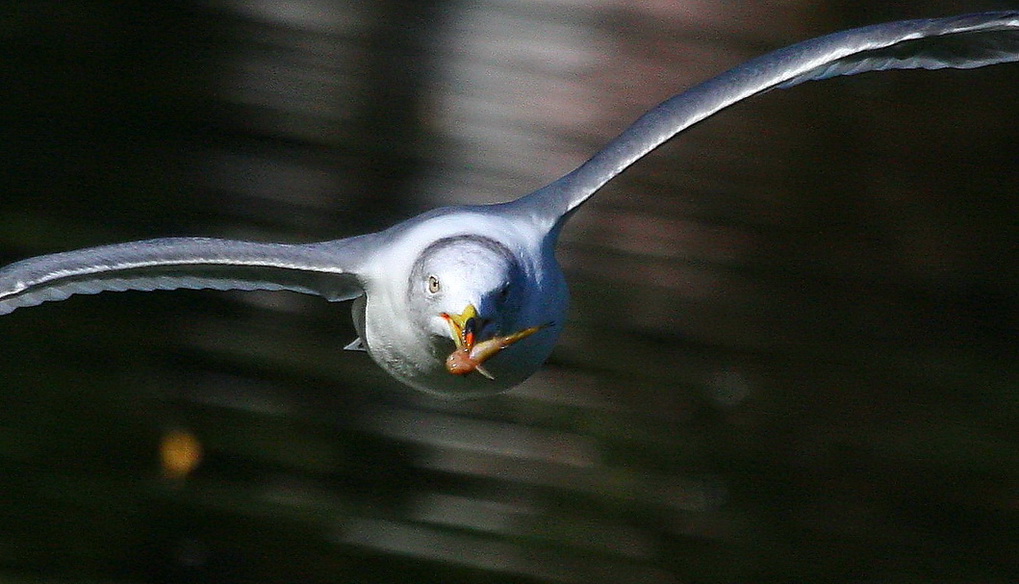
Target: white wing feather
963,42
329,269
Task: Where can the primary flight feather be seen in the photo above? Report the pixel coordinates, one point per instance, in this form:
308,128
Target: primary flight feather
479,286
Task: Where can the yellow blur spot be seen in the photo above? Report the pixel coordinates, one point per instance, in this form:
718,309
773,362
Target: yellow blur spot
180,453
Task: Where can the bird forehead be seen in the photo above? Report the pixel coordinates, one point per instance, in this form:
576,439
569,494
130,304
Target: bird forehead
467,245
466,255
467,268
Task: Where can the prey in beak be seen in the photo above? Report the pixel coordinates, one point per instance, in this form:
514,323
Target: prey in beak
471,353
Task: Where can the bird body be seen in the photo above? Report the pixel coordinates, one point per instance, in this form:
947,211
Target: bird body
480,256
481,284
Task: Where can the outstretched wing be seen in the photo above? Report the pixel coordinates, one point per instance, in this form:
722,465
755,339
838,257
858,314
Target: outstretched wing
962,42
328,269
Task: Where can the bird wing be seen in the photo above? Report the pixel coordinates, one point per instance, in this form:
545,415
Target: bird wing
962,42
328,269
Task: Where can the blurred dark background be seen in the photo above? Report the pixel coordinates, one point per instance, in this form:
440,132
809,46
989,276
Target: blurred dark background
792,347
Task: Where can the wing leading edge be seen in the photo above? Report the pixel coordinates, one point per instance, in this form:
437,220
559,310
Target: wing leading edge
329,269
963,42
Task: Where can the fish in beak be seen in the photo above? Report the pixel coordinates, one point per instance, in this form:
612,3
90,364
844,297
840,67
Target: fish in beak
471,353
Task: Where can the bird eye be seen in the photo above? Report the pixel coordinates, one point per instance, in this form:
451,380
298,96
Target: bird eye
433,284
504,292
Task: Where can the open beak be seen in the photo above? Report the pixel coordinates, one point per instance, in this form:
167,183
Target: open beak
463,327
471,352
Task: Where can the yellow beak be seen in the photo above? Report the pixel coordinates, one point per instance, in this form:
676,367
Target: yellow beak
463,327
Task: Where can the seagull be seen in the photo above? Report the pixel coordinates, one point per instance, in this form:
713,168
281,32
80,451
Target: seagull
466,301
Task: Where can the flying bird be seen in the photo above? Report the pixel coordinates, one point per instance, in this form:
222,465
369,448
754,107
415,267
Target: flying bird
469,300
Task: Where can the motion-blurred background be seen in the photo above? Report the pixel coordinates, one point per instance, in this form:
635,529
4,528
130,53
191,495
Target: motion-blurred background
792,348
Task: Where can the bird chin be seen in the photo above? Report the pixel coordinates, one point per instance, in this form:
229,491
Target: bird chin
422,365
507,371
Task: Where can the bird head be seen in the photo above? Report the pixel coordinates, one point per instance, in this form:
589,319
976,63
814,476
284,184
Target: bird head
465,289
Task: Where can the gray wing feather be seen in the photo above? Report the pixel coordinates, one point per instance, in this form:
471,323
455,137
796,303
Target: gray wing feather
329,269
962,42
